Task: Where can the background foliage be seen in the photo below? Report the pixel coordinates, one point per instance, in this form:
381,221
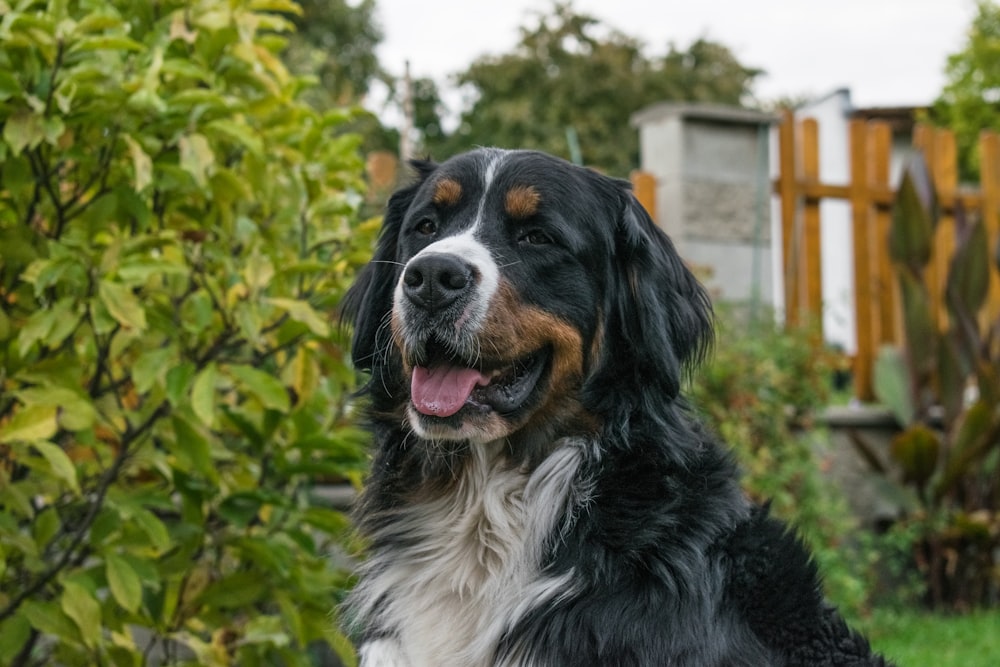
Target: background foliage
943,386
970,100
573,82
760,393
175,225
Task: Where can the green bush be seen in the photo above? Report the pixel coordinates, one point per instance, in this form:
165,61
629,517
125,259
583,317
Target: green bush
759,393
175,227
943,386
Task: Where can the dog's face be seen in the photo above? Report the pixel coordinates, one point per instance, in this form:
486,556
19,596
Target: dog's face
507,286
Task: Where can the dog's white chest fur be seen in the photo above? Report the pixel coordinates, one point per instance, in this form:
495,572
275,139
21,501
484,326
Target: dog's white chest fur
469,564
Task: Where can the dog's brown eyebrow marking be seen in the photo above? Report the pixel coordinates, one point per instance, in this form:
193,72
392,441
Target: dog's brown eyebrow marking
522,201
447,192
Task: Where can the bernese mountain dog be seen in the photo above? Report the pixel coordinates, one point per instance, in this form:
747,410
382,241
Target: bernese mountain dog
540,493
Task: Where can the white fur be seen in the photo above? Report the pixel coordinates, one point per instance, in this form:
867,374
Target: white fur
495,158
471,564
487,276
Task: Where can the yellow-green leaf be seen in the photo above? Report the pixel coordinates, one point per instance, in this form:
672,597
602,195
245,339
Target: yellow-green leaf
196,157
301,311
142,164
80,605
75,411
263,386
123,305
124,582
23,129
30,424
203,394
61,464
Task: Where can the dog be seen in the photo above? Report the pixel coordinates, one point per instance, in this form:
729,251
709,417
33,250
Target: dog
540,492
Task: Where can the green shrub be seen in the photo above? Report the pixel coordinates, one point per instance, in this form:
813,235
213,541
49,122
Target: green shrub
759,393
175,227
943,386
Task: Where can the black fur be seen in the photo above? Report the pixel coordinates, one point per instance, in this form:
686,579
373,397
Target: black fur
670,564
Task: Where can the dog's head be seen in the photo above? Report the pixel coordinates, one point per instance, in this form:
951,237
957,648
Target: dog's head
512,292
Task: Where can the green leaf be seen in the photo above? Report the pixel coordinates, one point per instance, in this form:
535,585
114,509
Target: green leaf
911,232
179,382
153,527
193,449
82,606
61,464
921,332
123,305
106,43
301,311
152,366
14,632
969,272
329,521
916,450
9,86
124,582
892,384
31,424
975,435
142,164
196,157
23,129
46,526
49,618
241,133
258,272
203,395
266,630
75,409
264,387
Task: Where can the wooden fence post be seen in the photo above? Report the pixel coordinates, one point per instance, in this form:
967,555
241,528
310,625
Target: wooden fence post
811,256
989,178
787,192
644,189
887,322
860,208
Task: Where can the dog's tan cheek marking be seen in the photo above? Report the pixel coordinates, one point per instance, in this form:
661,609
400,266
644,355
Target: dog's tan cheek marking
513,330
522,201
396,325
447,192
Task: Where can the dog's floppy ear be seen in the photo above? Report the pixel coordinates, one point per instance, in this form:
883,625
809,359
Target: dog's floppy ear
661,321
368,303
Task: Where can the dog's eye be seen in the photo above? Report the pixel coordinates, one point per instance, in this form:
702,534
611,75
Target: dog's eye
425,227
535,237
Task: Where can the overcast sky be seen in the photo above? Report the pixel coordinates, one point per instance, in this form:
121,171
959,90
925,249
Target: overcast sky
887,52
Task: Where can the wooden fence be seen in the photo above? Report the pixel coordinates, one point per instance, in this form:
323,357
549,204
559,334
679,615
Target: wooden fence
871,197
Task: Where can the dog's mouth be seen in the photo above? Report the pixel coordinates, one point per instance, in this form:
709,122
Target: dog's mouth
442,384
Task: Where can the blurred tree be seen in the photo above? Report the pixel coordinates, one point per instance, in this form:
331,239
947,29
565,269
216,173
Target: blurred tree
970,101
573,80
336,41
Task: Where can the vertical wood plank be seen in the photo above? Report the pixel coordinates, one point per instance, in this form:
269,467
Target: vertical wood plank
860,206
644,189
787,177
989,176
811,254
887,322
944,171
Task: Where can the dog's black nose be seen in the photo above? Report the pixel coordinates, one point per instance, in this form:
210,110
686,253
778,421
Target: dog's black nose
435,281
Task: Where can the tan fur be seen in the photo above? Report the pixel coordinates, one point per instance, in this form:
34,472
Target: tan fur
522,201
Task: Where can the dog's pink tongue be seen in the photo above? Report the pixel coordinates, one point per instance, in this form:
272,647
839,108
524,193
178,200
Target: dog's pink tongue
442,391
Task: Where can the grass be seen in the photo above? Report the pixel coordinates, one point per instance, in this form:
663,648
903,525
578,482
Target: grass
915,639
